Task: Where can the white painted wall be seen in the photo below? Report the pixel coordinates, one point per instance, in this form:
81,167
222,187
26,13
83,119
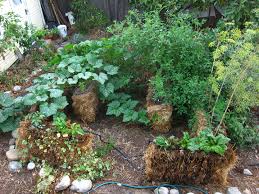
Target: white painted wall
29,11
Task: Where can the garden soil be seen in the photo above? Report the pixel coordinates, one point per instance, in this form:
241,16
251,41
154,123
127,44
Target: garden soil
133,141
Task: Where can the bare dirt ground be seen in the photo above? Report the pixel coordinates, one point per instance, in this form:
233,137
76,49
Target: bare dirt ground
132,140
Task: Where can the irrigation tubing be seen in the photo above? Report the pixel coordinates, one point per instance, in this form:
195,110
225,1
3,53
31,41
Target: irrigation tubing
124,156
179,187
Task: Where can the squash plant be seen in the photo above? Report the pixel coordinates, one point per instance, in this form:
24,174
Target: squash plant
10,112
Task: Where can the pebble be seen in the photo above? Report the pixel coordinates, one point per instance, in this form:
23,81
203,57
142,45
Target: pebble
12,141
31,166
63,184
15,134
11,147
247,191
217,193
233,190
81,186
247,172
17,88
12,155
15,166
8,92
161,190
174,191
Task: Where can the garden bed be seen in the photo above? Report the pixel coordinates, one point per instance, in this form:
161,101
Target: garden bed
181,166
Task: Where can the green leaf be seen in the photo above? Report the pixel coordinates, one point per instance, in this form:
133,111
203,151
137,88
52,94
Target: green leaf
101,78
42,98
48,109
3,116
10,124
111,70
107,89
130,115
6,100
29,99
85,75
60,102
55,93
91,58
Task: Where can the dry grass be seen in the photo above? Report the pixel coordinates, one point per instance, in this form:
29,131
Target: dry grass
179,166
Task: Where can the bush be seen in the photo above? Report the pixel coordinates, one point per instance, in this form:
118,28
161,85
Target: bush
87,16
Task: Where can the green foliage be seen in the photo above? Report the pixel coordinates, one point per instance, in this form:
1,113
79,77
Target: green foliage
36,119
206,142
10,112
122,105
234,80
91,167
16,35
241,131
44,182
87,16
65,127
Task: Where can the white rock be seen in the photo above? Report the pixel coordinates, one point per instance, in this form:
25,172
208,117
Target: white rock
12,155
8,92
218,193
257,190
81,186
15,134
247,191
17,88
174,191
63,184
247,172
12,141
233,190
161,190
31,166
190,193
11,147
15,166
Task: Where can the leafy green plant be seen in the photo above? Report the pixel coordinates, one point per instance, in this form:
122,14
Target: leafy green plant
36,119
10,112
87,16
91,167
234,72
65,127
206,142
122,105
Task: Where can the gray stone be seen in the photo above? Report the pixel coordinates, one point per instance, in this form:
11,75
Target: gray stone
15,134
247,191
257,190
12,141
12,155
81,186
17,88
63,184
247,172
174,191
31,166
11,147
161,190
233,190
15,166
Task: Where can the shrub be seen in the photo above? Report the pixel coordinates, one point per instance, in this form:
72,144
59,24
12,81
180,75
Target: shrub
87,16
